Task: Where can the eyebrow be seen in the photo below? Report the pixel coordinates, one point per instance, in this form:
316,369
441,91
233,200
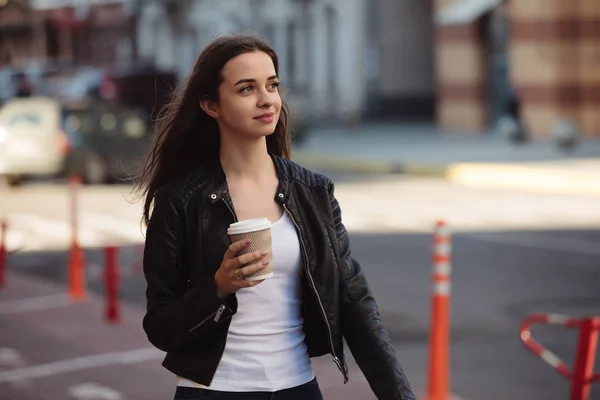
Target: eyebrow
253,80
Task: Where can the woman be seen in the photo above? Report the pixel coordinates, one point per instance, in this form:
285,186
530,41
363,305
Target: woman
222,155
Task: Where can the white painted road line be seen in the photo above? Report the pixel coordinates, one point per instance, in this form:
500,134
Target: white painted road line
10,358
113,227
34,304
540,242
57,229
94,391
81,363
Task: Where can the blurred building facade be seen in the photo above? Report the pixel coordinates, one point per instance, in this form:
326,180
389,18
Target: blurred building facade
39,38
20,32
539,57
340,59
97,32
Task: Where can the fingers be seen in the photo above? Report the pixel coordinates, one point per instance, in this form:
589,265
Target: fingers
235,247
254,283
249,258
241,273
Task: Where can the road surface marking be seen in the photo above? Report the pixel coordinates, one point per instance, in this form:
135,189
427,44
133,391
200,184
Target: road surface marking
10,358
94,391
81,363
58,230
117,227
532,239
34,304
32,232
540,242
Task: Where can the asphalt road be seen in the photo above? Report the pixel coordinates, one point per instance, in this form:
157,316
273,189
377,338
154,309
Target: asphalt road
514,254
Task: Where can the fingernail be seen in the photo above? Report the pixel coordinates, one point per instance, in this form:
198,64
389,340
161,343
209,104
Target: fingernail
248,241
263,253
266,262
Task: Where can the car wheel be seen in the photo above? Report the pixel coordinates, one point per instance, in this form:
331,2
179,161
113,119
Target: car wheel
95,170
14,180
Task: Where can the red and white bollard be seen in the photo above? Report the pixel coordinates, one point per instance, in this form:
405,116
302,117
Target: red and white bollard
439,346
111,282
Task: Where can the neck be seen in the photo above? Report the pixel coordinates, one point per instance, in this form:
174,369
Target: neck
248,159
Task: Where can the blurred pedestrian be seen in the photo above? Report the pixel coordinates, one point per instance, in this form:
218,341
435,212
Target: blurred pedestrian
221,155
23,85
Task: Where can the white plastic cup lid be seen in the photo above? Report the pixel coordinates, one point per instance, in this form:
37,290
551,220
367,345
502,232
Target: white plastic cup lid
249,225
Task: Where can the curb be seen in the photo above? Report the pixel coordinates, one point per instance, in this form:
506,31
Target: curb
363,165
533,177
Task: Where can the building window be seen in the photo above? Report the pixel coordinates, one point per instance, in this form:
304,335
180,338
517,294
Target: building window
291,53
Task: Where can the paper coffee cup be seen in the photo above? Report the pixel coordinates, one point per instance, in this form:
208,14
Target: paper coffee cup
259,231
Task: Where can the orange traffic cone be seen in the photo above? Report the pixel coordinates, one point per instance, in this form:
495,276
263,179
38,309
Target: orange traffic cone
439,345
76,259
76,272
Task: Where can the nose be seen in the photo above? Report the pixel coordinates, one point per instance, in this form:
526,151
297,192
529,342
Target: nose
265,100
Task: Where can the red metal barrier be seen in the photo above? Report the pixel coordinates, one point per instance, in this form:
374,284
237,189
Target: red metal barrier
583,375
111,282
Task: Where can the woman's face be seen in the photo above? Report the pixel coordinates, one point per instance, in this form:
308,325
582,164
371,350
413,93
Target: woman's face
249,102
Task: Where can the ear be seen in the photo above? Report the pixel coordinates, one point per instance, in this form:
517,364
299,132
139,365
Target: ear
210,107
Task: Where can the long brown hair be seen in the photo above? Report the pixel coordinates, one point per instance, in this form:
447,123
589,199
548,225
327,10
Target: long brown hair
185,136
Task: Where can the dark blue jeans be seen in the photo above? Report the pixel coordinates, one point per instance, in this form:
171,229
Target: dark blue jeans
308,391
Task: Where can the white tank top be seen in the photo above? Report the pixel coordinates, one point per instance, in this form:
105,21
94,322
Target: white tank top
265,349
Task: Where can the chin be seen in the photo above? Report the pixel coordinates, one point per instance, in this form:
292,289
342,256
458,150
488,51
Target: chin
266,131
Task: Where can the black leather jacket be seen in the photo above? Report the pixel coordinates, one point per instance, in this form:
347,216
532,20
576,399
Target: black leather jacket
185,243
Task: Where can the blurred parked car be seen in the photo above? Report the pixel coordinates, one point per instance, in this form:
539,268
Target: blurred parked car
32,141
109,140
146,88
68,84
99,141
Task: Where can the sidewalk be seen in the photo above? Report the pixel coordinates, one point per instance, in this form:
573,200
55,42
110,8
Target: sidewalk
475,160
54,349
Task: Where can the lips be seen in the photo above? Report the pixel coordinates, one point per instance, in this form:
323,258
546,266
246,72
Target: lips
265,118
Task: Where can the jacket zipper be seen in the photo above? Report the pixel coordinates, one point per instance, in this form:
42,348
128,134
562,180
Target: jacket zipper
312,282
335,357
217,314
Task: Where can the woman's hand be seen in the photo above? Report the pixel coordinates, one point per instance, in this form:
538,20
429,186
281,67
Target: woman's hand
230,277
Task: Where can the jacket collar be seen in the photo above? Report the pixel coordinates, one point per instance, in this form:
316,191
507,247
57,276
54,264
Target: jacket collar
222,190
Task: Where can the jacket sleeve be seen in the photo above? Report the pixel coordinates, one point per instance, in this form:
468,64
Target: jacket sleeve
362,326
175,316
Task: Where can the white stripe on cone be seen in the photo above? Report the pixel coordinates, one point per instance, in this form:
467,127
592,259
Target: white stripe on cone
442,249
442,231
442,269
441,288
